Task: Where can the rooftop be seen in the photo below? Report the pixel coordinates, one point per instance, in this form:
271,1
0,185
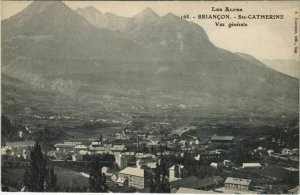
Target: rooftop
64,145
239,181
80,147
71,143
119,146
222,138
184,181
121,180
291,169
20,143
294,190
96,143
173,167
223,190
182,190
251,165
133,171
196,183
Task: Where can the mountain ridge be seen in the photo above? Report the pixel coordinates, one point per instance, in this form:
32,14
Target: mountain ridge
168,57
289,67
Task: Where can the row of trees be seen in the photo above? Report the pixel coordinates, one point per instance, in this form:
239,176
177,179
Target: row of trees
159,183
39,178
97,179
9,132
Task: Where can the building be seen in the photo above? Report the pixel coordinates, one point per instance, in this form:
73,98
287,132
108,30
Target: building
153,145
129,153
18,148
237,184
66,146
150,165
20,144
227,163
84,152
215,165
56,155
289,152
121,161
222,139
80,147
21,134
251,165
209,155
114,177
186,182
270,152
177,172
154,137
118,148
101,150
121,136
210,183
286,152
294,190
107,171
134,176
146,162
193,182
77,157
84,174
95,144
144,156
5,150
183,190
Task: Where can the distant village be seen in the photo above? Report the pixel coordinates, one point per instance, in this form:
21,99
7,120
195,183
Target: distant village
216,164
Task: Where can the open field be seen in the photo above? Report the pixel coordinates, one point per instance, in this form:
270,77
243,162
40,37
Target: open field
68,177
65,177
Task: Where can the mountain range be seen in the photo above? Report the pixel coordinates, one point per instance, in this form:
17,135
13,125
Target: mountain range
52,47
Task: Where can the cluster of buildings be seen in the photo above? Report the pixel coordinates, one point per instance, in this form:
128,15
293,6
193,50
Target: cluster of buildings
152,143
138,178
18,149
76,150
137,154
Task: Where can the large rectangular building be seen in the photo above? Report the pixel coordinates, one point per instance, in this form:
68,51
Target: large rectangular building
134,176
66,146
20,144
251,165
237,184
222,139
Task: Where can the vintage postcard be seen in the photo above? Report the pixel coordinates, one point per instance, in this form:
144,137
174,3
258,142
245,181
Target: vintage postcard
198,97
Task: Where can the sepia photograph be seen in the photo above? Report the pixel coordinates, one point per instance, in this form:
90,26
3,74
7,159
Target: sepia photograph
187,97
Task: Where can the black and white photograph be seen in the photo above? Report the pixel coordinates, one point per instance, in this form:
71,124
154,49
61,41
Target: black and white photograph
188,97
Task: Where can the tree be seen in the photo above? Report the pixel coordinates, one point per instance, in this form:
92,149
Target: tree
160,182
145,149
240,153
35,175
161,149
100,138
26,177
152,187
51,180
97,180
8,130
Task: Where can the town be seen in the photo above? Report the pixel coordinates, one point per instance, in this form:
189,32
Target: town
152,160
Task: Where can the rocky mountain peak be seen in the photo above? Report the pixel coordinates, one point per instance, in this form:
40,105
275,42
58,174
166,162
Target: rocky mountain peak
146,16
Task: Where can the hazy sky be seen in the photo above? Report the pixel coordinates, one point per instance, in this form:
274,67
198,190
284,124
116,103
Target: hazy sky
270,39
